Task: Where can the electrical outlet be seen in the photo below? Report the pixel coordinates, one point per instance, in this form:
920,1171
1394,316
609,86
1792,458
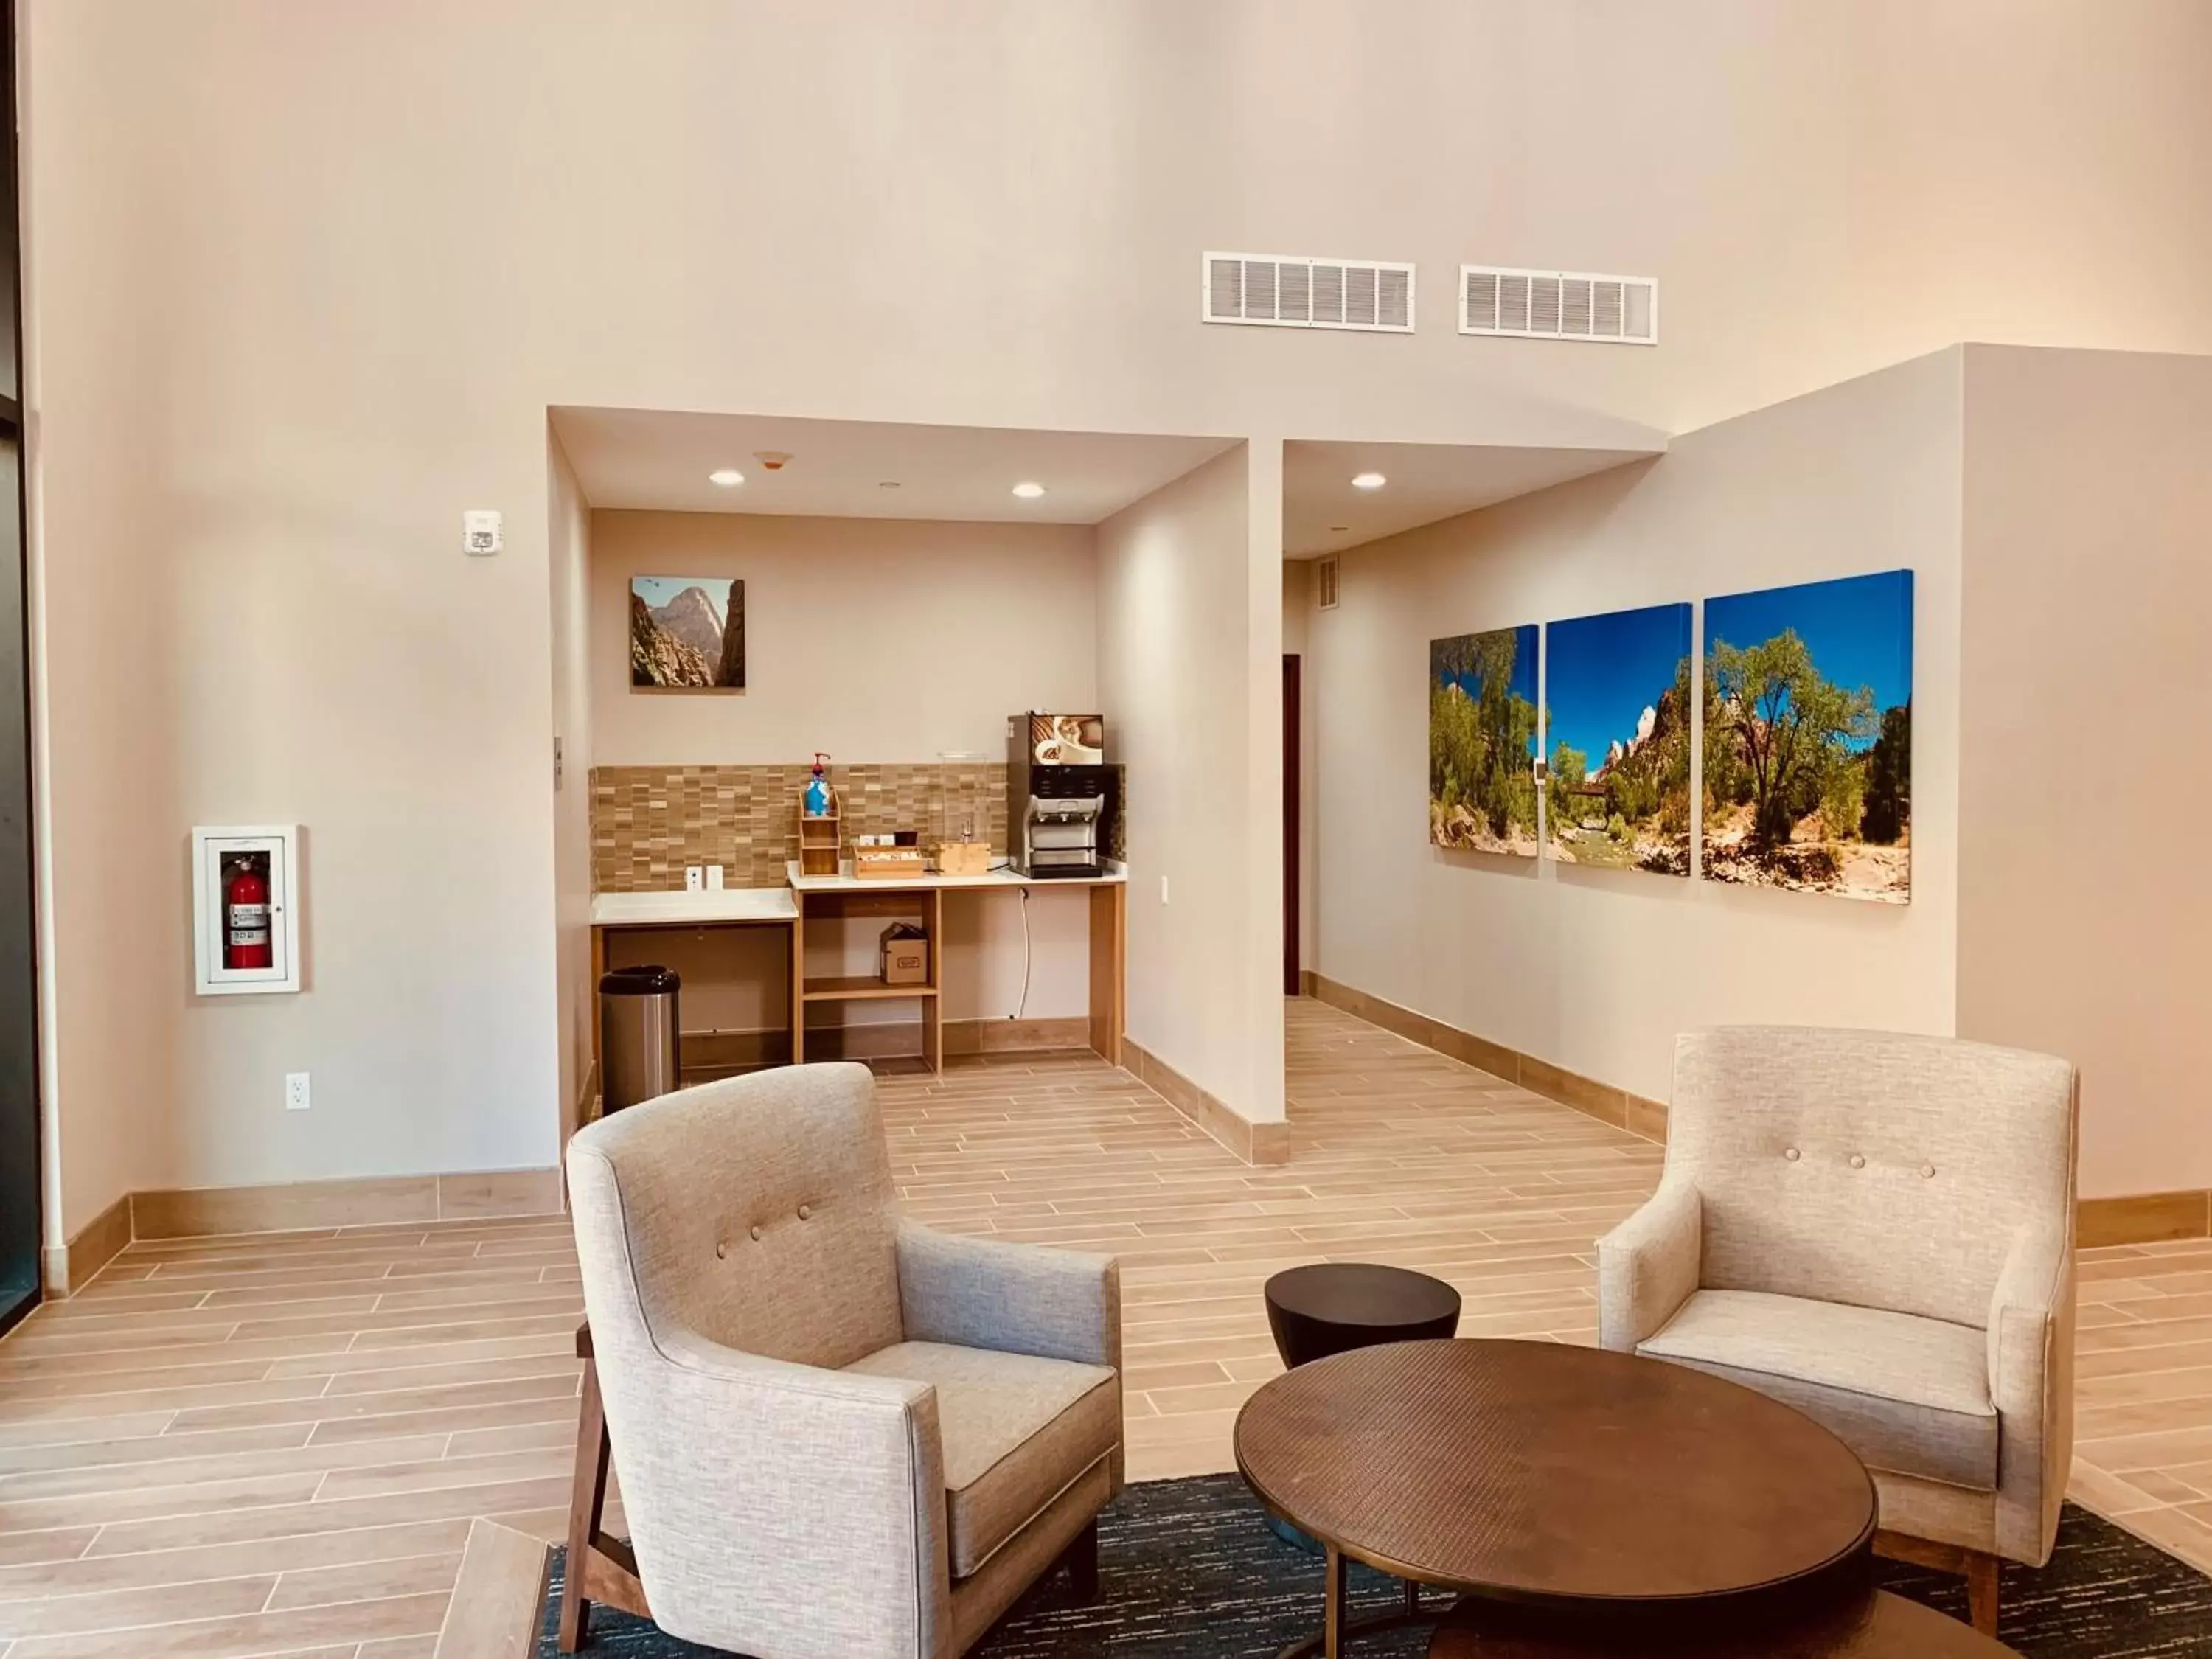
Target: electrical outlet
1163,889
296,1098
694,878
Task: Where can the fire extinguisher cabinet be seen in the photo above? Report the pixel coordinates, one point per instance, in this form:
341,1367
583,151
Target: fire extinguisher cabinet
245,909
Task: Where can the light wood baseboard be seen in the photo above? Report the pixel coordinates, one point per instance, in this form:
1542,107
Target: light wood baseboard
1256,1142
901,1039
1602,1101
204,1211
64,1271
2142,1219
1016,1037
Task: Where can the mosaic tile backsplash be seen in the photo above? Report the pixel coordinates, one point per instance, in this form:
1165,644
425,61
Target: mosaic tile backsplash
649,821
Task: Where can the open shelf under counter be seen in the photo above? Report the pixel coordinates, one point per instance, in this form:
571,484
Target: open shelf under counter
861,987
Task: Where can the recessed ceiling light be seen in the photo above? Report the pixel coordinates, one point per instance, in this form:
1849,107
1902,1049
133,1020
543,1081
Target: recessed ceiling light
1029,489
728,476
1368,481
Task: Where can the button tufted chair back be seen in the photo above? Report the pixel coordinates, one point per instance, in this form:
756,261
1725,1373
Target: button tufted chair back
1868,1167
757,1212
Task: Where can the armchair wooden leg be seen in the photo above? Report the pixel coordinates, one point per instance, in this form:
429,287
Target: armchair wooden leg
599,1568
587,1502
1981,1592
1082,1559
1980,1570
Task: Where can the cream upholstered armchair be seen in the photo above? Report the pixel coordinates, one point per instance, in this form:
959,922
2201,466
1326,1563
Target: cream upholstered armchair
1878,1229
838,1436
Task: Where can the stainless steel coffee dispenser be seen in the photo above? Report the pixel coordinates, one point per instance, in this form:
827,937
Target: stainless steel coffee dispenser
1060,797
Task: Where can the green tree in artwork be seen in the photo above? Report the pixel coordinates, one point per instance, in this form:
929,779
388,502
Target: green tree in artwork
1889,778
1787,725
1569,766
1479,744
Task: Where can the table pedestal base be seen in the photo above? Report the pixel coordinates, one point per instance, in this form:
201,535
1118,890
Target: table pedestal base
1338,1626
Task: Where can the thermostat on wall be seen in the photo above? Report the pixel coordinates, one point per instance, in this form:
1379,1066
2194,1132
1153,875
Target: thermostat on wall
481,534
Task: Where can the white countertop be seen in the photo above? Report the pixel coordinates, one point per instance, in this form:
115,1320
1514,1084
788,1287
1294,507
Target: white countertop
846,881
677,908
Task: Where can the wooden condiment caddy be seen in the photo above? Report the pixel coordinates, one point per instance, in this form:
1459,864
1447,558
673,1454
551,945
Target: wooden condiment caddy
821,840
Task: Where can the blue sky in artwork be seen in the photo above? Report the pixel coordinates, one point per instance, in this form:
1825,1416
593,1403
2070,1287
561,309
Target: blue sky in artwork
657,590
1523,683
1602,673
1859,628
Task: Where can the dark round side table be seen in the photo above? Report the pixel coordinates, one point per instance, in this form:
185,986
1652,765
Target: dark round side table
1333,1307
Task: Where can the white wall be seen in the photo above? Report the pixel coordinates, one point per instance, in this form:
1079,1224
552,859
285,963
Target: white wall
286,338
2082,915
1597,969
1180,635
878,639
569,523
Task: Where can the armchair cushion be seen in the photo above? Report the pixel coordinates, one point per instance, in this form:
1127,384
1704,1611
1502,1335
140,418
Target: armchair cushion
1908,1394
1017,1430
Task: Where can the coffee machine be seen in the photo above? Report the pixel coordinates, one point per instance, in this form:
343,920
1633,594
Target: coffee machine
1060,797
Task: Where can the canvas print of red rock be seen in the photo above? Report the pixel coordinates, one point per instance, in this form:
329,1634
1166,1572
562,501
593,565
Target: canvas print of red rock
1808,739
687,634
1617,698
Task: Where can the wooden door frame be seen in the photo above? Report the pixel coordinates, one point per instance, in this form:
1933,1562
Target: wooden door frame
1293,701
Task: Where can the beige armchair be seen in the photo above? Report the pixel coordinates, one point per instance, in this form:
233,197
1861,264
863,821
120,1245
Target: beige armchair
838,1436
1878,1229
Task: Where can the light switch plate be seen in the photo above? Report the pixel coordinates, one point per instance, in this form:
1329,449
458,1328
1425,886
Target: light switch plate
714,877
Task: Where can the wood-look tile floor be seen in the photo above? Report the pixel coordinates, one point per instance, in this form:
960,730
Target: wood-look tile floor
275,1444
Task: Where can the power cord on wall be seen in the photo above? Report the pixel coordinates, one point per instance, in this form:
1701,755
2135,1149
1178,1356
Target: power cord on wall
1022,1009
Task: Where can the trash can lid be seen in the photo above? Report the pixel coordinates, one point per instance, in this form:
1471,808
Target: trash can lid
641,981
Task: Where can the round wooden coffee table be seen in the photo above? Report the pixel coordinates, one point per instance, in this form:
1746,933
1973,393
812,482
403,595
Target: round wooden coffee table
1874,1625
1562,1479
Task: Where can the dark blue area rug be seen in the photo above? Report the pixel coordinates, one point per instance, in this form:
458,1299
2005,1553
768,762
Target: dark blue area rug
1186,1567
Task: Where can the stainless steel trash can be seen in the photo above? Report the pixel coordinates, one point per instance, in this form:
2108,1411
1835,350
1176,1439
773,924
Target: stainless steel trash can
640,1040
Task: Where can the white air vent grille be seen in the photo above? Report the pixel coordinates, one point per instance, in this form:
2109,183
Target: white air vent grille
1558,304
1324,585
1284,290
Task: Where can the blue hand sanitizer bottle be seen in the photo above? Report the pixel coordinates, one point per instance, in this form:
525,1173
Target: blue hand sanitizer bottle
818,790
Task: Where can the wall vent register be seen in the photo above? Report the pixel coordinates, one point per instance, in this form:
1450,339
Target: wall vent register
1325,583
1290,290
1558,304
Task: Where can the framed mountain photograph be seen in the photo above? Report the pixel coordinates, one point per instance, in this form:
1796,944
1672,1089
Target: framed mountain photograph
1808,739
687,634
1482,740
1617,691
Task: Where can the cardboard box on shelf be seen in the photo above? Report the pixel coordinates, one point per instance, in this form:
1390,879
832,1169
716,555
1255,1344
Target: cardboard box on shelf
906,955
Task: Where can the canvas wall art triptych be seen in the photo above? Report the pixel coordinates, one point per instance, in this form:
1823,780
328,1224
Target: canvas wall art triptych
1803,704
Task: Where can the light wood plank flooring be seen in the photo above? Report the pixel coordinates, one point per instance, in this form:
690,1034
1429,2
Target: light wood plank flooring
275,1444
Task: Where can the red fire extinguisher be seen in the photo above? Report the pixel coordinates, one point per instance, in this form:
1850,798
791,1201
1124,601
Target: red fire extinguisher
246,918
